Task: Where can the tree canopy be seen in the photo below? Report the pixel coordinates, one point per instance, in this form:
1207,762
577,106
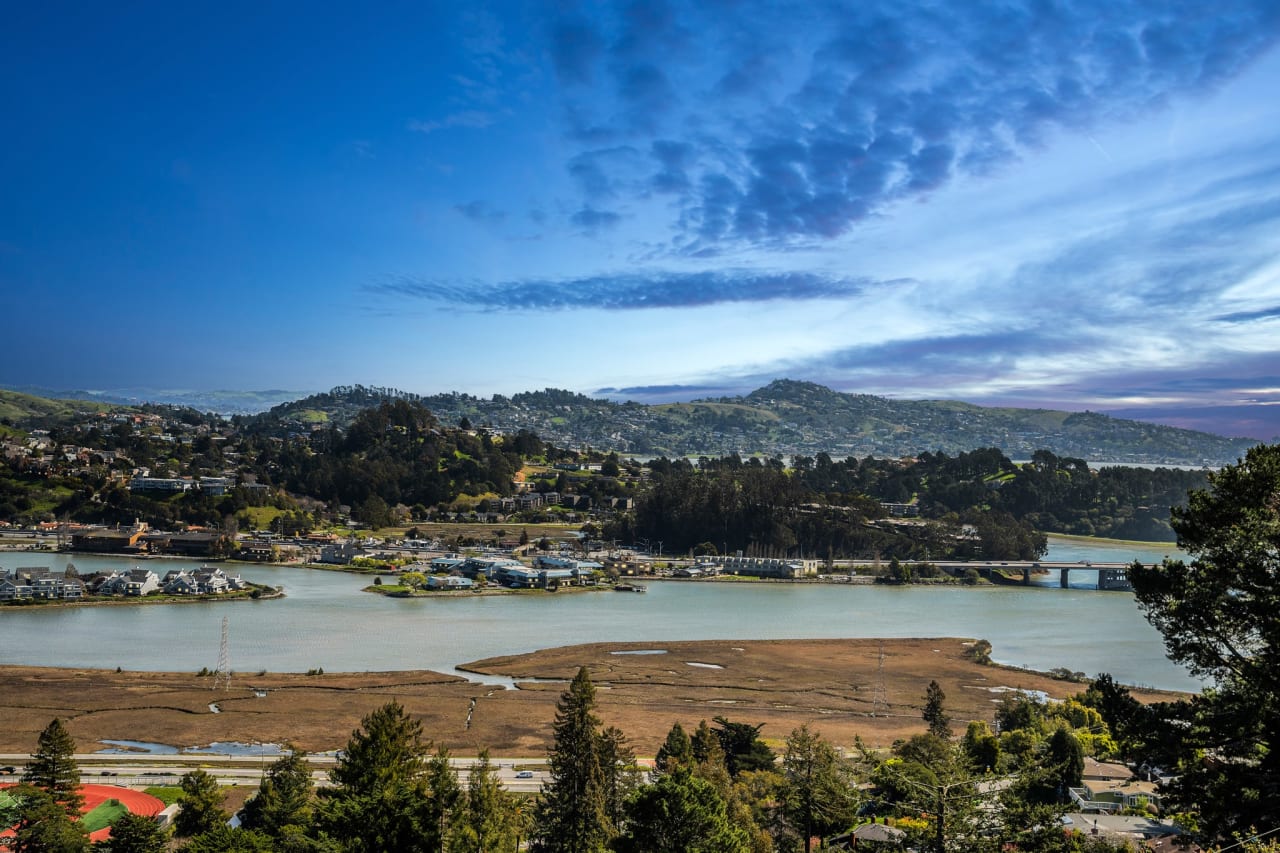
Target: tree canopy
573,814
53,768
1220,616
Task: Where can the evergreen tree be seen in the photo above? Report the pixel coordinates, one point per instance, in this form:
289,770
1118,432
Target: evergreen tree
283,798
933,714
53,769
572,815
818,796
680,813
1220,616
619,772
743,748
488,817
444,794
229,839
387,749
134,833
201,801
386,796
43,824
676,751
706,746
1064,759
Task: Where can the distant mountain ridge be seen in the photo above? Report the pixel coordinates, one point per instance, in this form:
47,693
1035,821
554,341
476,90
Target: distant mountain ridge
218,402
785,418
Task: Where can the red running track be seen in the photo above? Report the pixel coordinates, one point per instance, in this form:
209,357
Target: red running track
137,802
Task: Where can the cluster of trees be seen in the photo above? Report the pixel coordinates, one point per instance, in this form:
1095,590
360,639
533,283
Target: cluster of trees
976,504
1049,493
762,508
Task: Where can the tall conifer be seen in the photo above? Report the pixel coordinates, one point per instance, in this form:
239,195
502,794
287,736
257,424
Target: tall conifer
53,768
572,816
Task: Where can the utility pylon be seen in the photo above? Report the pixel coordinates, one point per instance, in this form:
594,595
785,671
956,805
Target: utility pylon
880,698
222,675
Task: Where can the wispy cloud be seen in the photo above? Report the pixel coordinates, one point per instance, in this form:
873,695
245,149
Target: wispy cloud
482,212
625,291
465,118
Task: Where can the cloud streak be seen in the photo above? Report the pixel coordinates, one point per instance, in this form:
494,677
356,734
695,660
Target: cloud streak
626,292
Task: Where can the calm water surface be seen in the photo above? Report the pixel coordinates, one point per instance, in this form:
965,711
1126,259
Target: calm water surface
327,622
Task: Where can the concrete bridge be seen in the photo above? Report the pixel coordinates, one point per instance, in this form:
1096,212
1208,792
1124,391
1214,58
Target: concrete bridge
1111,576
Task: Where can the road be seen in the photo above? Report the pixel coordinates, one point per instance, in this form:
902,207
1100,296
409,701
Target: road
140,770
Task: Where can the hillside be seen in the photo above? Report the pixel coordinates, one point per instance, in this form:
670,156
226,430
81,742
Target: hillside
24,408
218,402
784,418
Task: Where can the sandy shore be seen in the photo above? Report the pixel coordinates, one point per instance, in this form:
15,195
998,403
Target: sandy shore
843,688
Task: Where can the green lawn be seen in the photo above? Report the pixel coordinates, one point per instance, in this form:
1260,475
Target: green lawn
262,516
167,794
104,815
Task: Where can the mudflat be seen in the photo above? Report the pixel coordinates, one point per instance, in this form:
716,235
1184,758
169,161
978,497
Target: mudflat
873,689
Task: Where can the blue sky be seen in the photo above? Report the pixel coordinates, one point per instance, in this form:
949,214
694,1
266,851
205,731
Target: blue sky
1061,204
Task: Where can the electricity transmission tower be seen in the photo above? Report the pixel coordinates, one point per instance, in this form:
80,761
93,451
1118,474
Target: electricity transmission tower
222,675
880,698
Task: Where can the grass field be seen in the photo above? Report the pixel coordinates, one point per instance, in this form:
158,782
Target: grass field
167,794
104,815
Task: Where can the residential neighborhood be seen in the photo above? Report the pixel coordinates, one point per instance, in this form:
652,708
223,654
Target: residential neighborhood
40,584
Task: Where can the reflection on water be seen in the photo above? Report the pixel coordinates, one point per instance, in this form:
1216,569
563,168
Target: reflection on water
220,747
326,622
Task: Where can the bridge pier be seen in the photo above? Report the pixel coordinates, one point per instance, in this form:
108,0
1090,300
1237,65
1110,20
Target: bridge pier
1062,579
1026,575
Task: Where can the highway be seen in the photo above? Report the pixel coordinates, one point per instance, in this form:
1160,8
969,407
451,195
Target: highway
140,770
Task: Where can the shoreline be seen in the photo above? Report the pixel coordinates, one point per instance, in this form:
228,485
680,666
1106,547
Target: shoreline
265,593
1080,538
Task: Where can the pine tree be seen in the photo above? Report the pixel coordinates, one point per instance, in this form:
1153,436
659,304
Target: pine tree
53,768
387,749
677,751
572,816
619,771
201,801
283,798
818,796
386,794
444,796
488,819
44,825
933,714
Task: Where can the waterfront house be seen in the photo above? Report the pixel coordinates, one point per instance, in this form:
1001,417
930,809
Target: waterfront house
211,581
141,582
339,553
179,582
14,589
765,567
46,588
445,582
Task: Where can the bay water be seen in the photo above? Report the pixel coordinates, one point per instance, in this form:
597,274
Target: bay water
325,621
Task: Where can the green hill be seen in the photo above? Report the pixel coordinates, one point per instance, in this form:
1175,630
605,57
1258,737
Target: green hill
784,418
25,408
